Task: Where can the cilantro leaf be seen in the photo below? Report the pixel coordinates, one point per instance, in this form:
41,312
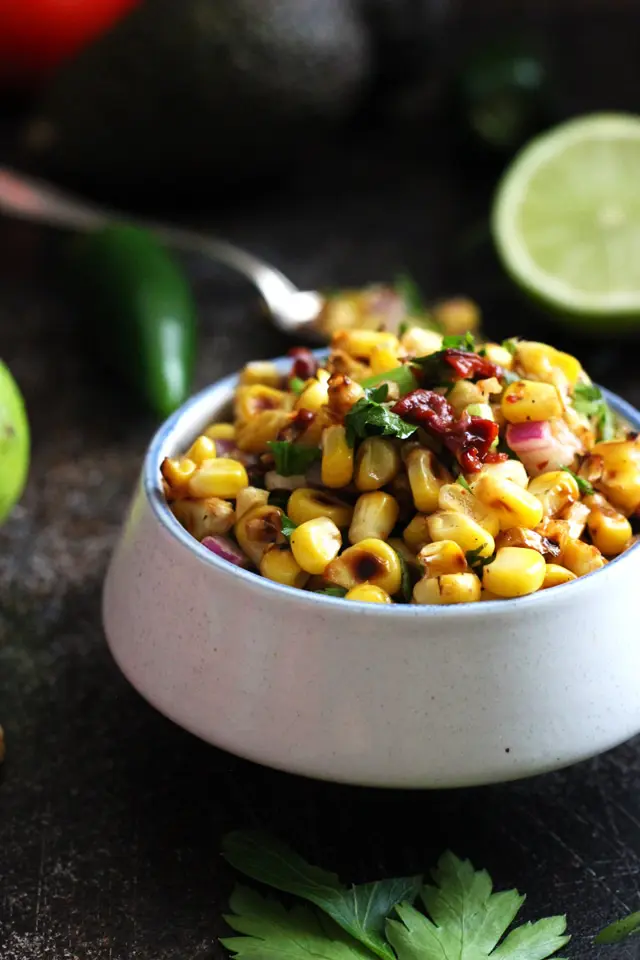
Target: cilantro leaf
467,920
292,459
370,418
475,559
406,580
456,342
620,930
511,345
588,399
360,910
463,483
401,375
583,485
333,591
288,526
296,385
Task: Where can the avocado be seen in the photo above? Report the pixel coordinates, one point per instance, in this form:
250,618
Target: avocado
209,91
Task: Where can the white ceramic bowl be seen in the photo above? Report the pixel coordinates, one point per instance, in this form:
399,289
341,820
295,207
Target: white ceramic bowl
403,696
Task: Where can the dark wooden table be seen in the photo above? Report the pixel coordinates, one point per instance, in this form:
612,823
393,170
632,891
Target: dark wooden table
110,816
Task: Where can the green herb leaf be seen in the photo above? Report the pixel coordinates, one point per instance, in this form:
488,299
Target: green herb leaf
511,345
454,342
333,591
588,400
288,526
475,559
360,910
467,920
402,375
292,459
583,485
369,417
406,581
620,930
463,483
296,385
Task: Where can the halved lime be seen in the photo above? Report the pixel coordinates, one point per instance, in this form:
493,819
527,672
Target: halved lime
566,218
14,442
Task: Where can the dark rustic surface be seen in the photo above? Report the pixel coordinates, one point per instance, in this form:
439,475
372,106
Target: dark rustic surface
110,816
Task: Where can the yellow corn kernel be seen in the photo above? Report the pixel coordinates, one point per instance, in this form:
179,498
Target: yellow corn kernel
454,497
581,558
223,478
555,490
362,343
530,400
337,457
383,359
252,436
416,533
370,561
262,373
610,530
515,572
575,515
443,556
620,481
177,473
499,355
203,448
316,543
204,518
448,588
419,342
513,470
258,529
426,477
457,315
555,574
377,463
308,504
314,396
368,593
250,497
463,394
375,515
343,393
545,363
279,564
462,530
400,547
249,401
514,506
221,431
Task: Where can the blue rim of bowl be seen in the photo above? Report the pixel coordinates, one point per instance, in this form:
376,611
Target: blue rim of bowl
153,491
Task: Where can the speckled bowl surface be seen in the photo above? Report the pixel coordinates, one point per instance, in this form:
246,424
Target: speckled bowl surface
403,696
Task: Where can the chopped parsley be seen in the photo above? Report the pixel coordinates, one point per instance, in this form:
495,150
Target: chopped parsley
402,375
456,342
511,345
583,485
371,417
463,483
333,591
296,385
588,400
287,525
475,559
407,581
292,459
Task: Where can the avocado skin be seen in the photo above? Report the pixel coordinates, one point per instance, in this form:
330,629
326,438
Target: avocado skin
205,90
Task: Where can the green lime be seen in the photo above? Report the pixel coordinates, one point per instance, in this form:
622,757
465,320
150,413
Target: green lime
14,443
566,218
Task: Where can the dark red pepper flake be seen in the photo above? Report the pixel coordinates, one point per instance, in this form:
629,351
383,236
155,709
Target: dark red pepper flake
305,364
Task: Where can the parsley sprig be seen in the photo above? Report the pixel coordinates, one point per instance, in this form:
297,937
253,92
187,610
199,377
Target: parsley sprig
292,459
583,485
588,399
372,417
456,342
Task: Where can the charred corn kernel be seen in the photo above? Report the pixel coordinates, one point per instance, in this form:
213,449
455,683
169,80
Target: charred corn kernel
555,574
314,396
512,470
343,393
260,372
620,481
419,342
513,506
426,477
375,515
457,315
203,448
400,547
250,497
362,343
252,436
555,490
443,556
279,564
515,572
368,593
258,529
581,558
453,496
498,355
557,531
316,543
384,359
221,431
463,394
370,561
223,478
249,401
177,473
575,515
337,457
545,363
610,530
530,400
204,518
308,504
416,533
462,530
448,588
377,463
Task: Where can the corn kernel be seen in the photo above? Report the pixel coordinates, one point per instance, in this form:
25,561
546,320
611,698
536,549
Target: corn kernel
514,506
513,470
498,355
575,515
610,530
545,363
250,497
443,556
370,561
343,393
316,543
219,478
177,472
314,396
337,457
426,477
258,529
555,574
448,588
368,593
252,436
383,359
515,572
260,373
249,401
279,564
221,431
204,518
416,533
555,490
419,342
375,515
362,343
463,530
308,504
581,558
530,400
400,547
620,481
463,394
377,463
458,315
454,497
203,448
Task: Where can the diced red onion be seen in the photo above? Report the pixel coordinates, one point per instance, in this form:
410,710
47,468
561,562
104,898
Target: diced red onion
275,481
226,549
225,448
532,435
543,445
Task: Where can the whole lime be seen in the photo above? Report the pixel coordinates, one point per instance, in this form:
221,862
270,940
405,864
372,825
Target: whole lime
14,442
